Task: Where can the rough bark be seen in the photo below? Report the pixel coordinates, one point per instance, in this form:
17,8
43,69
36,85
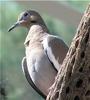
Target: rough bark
73,79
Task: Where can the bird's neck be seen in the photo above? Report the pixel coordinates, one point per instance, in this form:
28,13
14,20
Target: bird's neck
38,29
36,33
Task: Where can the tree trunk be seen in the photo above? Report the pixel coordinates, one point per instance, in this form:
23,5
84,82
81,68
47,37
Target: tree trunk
73,79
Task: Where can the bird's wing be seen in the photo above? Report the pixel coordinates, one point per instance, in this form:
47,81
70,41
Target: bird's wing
55,49
25,70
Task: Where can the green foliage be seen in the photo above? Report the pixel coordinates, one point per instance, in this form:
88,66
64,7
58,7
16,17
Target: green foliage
79,5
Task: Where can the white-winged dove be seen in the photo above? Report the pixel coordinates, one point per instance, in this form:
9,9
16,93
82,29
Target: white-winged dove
44,52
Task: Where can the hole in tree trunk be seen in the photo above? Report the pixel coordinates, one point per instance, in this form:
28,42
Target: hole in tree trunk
73,59
89,79
82,54
79,83
76,44
87,37
87,93
81,69
82,24
76,98
57,95
69,74
67,90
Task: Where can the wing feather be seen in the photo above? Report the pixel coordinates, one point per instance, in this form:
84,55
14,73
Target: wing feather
56,50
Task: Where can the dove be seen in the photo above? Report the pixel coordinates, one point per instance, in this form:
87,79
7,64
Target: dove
44,52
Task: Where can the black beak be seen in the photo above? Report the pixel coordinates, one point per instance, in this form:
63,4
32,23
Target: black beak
13,26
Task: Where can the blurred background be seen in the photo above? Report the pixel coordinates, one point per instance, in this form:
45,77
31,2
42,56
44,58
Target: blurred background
62,19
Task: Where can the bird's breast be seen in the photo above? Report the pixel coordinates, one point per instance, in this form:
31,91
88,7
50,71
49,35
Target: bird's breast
39,67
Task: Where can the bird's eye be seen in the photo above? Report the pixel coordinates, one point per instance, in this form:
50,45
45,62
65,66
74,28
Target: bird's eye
25,14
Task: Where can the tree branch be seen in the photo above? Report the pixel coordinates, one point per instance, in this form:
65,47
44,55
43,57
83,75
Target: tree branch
73,79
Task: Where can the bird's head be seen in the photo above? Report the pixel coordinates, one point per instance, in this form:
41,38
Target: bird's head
27,19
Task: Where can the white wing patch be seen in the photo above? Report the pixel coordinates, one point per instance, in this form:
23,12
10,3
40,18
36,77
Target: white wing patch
52,58
50,54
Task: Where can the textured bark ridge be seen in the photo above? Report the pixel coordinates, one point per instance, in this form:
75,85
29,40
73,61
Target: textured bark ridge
73,79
